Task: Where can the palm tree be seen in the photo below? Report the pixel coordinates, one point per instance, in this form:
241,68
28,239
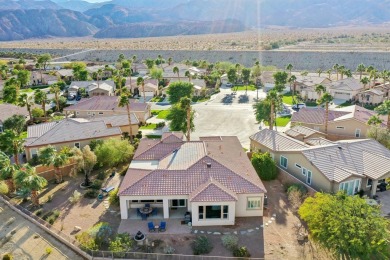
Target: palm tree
385,75
373,76
326,98
49,156
336,68
134,59
188,75
342,71
39,66
141,82
27,179
320,89
319,71
364,81
170,61
273,98
384,109
176,70
56,90
98,74
40,97
360,68
7,171
185,103
289,67
25,100
12,143
329,72
123,101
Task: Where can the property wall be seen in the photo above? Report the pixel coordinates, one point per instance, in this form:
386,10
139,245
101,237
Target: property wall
48,172
286,178
242,204
59,146
212,222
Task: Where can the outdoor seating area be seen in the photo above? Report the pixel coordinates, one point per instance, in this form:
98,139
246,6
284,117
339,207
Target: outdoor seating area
146,212
157,228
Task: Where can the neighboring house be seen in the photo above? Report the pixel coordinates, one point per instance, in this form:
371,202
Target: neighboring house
212,179
372,96
120,121
306,85
150,87
350,165
343,123
68,132
345,89
1,87
65,74
303,133
8,110
198,84
93,88
106,72
99,106
46,79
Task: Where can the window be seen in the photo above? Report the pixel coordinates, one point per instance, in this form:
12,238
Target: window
77,145
304,171
357,133
369,182
298,166
77,113
350,187
201,209
225,213
254,203
309,177
283,162
213,212
340,127
34,152
101,113
146,201
178,203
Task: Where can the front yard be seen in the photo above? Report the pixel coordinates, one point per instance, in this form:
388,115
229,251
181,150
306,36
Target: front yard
281,121
244,88
161,114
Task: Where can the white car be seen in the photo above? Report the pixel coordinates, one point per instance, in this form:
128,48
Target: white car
298,106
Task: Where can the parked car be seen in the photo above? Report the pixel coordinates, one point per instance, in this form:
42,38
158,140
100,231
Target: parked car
229,85
298,106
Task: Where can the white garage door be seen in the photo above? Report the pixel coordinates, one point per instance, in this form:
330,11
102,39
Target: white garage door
340,95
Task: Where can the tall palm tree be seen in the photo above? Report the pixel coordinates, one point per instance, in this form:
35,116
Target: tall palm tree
326,98
55,89
385,76
320,89
373,76
292,80
124,101
185,103
360,68
319,71
27,178
188,75
336,68
342,71
329,72
176,70
364,81
289,67
141,82
40,97
384,109
49,156
273,98
170,61
7,171
134,59
39,67
12,143
99,75
25,100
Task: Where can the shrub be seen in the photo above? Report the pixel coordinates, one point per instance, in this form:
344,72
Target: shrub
113,197
8,256
230,241
49,250
169,250
91,194
297,186
75,197
49,198
265,166
241,252
114,151
86,241
96,184
95,143
139,135
201,245
51,216
37,112
102,175
39,212
121,243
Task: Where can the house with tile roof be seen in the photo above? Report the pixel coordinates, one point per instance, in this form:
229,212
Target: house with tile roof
344,89
101,106
67,132
374,96
150,87
8,110
303,133
306,85
343,123
350,165
212,179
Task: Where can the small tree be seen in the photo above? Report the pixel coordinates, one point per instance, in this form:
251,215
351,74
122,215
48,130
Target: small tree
27,179
40,97
264,165
15,123
384,109
86,160
181,116
114,151
263,111
50,156
178,90
37,112
11,144
7,171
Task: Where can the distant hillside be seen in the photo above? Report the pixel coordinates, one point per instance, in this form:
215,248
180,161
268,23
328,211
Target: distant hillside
75,5
23,24
27,4
170,29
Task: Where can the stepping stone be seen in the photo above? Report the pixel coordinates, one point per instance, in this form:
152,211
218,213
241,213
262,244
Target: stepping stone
195,231
269,221
250,230
266,224
272,218
235,232
243,232
217,233
202,232
226,233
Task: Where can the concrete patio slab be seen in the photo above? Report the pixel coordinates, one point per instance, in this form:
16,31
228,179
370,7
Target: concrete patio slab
174,226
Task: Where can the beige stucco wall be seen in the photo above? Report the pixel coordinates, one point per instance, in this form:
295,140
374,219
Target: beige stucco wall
126,128
242,203
59,146
374,99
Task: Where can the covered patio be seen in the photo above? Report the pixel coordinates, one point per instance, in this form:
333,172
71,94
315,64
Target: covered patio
173,226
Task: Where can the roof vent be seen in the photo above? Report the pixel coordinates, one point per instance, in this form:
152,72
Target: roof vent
208,165
340,148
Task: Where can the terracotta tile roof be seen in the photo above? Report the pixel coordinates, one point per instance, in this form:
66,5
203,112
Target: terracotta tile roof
105,103
172,137
277,141
132,176
117,120
39,129
184,156
317,141
212,191
361,157
360,114
315,115
301,130
8,110
155,150
349,84
70,130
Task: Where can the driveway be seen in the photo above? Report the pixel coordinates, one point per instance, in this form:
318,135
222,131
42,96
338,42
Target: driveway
385,202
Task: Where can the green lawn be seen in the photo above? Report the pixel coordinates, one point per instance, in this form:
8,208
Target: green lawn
243,88
27,90
200,99
281,121
161,114
150,126
153,136
157,99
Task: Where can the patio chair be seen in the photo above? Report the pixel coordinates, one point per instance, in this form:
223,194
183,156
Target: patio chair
144,216
151,227
147,205
154,212
163,225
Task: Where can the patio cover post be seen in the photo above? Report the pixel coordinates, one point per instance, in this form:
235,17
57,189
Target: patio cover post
166,208
124,207
373,187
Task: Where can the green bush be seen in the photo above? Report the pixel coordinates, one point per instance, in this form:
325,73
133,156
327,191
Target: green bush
113,197
86,241
102,175
201,245
241,252
8,256
121,243
297,187
96,184
265,166
139,135
91,194
39,212
230,241
51,216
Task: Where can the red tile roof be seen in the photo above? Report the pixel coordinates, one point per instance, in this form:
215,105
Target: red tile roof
105,103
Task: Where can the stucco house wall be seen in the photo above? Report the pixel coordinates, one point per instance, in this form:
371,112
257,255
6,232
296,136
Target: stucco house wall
242,205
